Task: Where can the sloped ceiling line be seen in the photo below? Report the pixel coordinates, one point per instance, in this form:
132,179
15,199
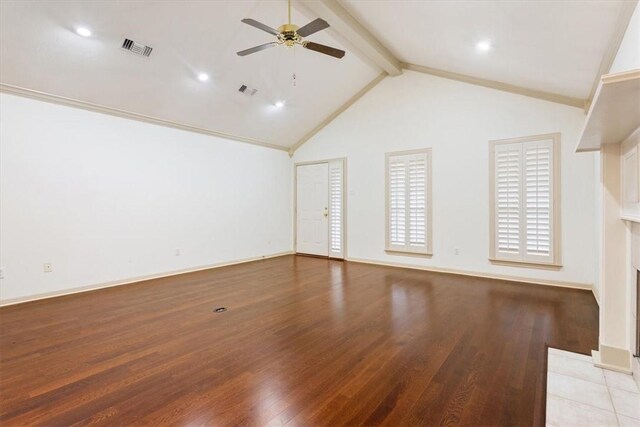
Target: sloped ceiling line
339,111
61,100
624,18
547,96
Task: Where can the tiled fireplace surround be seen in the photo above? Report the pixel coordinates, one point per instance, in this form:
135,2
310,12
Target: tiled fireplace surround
582,394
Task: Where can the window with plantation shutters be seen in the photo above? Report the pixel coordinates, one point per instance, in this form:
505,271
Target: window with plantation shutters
525,194
408,204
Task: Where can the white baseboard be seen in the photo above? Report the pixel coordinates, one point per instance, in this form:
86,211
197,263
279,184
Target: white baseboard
558,283
54,294
596,294
13,301
612,358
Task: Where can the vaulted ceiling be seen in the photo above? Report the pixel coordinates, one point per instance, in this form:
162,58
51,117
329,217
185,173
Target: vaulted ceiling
551,46
40,50
555,47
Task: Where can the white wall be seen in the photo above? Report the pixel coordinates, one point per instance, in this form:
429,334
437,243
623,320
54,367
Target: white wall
597,225
628,56
108,199
456,119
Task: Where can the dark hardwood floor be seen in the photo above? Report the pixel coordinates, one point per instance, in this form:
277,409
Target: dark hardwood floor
304,341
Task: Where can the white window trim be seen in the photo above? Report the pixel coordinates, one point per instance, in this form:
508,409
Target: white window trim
556,229
428,250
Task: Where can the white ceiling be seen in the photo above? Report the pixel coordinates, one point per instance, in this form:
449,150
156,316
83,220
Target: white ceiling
39,50
552,46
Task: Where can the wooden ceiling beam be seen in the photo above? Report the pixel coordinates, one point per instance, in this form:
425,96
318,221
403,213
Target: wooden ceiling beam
351,33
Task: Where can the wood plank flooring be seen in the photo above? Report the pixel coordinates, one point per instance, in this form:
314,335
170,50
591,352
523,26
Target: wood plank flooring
305,341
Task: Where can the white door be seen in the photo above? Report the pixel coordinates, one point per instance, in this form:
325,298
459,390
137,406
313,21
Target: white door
312,234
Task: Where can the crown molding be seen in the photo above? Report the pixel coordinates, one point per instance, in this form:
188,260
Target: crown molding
373,83
69,102
547,96
624,18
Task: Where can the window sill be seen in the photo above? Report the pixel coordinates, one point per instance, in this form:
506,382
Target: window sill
409,253
526,264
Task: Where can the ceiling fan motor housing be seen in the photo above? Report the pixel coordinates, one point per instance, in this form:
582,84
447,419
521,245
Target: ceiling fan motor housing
288,35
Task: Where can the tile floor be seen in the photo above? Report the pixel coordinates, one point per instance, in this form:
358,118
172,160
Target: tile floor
581,394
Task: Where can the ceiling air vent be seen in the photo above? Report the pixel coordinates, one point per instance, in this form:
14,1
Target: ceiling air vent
137,48
249,91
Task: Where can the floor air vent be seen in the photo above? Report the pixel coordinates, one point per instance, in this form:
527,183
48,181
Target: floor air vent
137,48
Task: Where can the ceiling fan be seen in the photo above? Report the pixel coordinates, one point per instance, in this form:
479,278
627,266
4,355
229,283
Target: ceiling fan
291,35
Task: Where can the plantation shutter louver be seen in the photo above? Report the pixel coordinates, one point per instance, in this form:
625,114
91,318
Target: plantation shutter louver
417,202
524,200
508,201
336,209
407,199
537,188
397,201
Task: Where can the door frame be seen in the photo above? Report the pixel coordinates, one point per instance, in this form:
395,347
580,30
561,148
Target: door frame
343,220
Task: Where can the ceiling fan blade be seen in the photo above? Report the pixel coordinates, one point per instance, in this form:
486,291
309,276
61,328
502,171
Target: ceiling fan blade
260,26
257,49
312,27
327,50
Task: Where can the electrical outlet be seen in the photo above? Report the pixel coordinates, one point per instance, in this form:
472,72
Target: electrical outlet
177,252
457,251
1,272
48,268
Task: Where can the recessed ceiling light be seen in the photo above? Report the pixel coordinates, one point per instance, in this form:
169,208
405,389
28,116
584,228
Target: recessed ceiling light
483,46
279,104
203,77
83,31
